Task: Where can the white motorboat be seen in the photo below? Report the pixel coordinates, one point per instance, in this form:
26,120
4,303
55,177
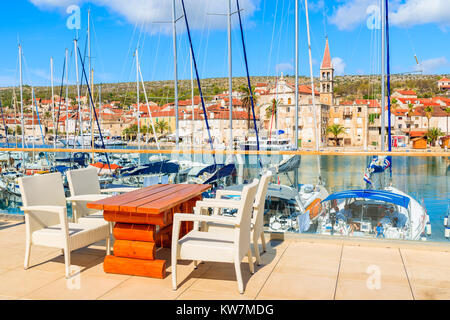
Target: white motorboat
388,213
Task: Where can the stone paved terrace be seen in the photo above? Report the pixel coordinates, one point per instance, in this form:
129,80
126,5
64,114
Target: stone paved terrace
302,268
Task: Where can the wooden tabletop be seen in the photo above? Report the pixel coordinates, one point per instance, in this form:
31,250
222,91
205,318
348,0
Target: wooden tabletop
153,200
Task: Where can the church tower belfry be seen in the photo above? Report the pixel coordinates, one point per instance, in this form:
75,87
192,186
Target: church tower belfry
326,77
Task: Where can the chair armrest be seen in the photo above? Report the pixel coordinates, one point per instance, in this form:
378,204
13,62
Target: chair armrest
61,211
222,193
217,203
88,197
119,190
50,209
179,217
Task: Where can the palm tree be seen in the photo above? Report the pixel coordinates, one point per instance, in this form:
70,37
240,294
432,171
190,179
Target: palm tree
447,111
272,110
433,134
335,130
162,126
409,114
428,113
247,102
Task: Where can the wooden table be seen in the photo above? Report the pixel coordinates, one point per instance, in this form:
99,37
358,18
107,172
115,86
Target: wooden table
143,221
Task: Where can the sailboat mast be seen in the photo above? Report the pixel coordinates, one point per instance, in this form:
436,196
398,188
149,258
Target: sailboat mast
296,76
100,104
21,97
80,113
316,134
383,100
175,67
230,76
137,106
388,65
192,101
33,101
67,97
53,104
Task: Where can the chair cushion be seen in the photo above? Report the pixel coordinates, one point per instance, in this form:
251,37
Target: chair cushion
207,246
80,235
96,217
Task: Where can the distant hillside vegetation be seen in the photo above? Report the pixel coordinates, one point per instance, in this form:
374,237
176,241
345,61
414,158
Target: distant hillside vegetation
162,92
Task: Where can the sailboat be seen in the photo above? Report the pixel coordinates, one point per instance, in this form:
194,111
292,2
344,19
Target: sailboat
380,210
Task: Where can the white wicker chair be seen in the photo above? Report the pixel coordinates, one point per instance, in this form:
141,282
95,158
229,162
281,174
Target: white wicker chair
84,187
217,247
46,220
257,226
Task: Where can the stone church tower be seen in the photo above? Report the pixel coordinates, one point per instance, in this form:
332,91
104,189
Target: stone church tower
326,77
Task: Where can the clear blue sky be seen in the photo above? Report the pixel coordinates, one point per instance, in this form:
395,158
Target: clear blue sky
269,26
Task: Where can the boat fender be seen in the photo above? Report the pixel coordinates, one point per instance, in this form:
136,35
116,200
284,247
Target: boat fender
446,221
427,218
428,228
447,232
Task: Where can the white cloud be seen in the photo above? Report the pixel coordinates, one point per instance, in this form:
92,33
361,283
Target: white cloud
351,13
415,12
285,66
149,11
431,65
338,65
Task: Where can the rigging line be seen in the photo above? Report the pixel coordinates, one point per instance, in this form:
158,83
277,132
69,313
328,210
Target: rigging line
324,20
95,112
271,41
156,56
279,35
39,121
128,53
4,125
198,81
100,56
60,100
249,82
356,43
205,56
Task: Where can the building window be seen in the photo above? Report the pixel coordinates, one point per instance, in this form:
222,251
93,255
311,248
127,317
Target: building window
336,109
336,120
359,131
289,101
359,121
359,109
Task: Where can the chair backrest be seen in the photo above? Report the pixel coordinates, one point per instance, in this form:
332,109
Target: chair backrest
83,181
244,216
42,190
260,200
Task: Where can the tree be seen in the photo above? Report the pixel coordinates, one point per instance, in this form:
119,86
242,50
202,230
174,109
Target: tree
409,114
247,102
447,111
335,130
18,130
428,113
272,109
433,134
162,126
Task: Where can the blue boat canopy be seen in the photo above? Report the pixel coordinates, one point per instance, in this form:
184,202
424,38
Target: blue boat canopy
371,194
